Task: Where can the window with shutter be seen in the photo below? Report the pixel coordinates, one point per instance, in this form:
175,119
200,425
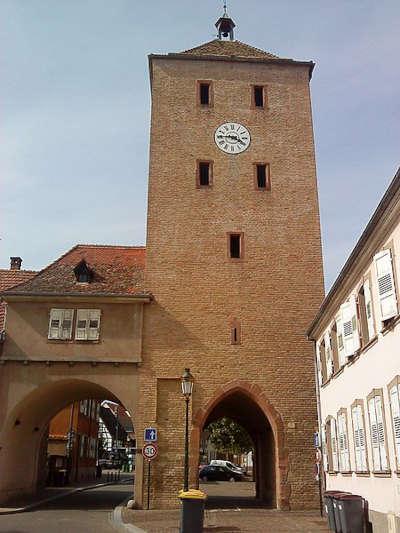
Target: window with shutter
81,324
88,324
322,359
60,325
55,323
378,438
351,339
395,410
329,355
344,461
386,287
369,310
340,341
94,324
359,439
335,463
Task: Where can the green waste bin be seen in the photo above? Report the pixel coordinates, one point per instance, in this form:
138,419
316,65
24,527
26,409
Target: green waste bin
192,513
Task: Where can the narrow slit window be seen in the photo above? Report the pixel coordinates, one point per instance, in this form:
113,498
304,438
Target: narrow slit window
235,332
204,174
235,246
259,96
204,93
262,176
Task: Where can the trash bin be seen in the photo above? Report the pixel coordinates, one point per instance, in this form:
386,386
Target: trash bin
351,512
192,514
329,496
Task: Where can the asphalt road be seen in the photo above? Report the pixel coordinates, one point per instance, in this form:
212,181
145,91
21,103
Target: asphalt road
87,511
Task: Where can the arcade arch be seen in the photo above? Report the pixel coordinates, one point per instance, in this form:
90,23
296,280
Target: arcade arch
23,440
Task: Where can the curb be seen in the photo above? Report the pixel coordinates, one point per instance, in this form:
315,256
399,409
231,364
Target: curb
118,523
58,497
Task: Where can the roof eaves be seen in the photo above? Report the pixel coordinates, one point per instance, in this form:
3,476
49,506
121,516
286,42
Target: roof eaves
393,188
138,295
239,59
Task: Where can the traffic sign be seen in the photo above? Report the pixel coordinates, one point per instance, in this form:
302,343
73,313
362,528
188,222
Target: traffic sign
150,435
150,451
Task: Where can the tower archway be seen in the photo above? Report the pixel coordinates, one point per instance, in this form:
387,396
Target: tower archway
247,405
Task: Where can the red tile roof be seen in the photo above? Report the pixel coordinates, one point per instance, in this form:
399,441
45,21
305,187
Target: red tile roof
117,271
8,279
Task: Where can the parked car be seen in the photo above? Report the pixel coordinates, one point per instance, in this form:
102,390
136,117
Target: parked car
228,464
219,473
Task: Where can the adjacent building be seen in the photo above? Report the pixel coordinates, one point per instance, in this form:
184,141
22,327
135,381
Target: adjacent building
357,338
9,278
72,441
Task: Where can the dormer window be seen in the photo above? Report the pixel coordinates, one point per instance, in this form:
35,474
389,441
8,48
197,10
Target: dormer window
83,273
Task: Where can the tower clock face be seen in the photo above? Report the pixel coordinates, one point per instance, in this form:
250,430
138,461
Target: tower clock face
232,138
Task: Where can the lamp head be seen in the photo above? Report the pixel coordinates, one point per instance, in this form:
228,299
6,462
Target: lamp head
187,383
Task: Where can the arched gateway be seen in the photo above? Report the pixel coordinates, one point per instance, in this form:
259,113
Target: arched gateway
229,281
247,404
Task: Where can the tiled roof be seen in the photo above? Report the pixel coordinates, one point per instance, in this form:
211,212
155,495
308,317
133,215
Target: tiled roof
117,271
8,279
218,47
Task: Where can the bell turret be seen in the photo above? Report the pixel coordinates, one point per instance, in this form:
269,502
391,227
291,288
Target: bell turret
225,26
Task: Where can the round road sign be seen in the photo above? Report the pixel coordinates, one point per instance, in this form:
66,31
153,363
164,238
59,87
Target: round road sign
150,451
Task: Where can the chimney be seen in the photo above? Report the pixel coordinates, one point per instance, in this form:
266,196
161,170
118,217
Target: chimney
15,263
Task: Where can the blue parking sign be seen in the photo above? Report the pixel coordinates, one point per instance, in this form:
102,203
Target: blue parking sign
150,435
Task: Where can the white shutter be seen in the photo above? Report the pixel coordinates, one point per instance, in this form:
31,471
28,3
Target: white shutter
324,449
359,439
334,446
82,319
395,408
369,310
343,444
356,431
351,339
56,317
363,444
66,323
374,435
94,324
340,341
386,289
329,355
381,432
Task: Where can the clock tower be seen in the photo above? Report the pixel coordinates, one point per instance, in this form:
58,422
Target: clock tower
233,263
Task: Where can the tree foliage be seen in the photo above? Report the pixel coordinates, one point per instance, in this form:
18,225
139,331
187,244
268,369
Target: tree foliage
227,436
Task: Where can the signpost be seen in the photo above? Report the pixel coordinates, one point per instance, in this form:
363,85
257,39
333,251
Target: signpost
149,452
150,435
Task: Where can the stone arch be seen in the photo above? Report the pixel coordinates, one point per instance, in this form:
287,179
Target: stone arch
25,427
258,397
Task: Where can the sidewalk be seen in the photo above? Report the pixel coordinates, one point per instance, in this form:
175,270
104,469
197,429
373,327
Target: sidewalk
231,521
54,493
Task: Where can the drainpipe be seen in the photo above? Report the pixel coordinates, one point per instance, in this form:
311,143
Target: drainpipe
321,476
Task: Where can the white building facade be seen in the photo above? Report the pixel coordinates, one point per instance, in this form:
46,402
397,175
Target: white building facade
357,340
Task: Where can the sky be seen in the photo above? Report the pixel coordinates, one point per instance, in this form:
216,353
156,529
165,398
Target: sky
75,111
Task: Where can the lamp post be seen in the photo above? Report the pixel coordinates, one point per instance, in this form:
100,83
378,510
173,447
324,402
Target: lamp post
187,389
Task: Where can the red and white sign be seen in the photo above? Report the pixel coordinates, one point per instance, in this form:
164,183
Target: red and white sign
150,451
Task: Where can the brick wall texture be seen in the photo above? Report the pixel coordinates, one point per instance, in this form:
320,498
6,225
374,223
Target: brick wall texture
274,291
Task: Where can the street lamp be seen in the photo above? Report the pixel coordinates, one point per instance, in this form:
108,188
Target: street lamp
187,389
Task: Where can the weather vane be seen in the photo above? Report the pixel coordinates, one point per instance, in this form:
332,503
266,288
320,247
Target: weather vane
225,13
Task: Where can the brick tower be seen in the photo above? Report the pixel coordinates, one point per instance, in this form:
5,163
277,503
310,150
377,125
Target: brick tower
233,261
